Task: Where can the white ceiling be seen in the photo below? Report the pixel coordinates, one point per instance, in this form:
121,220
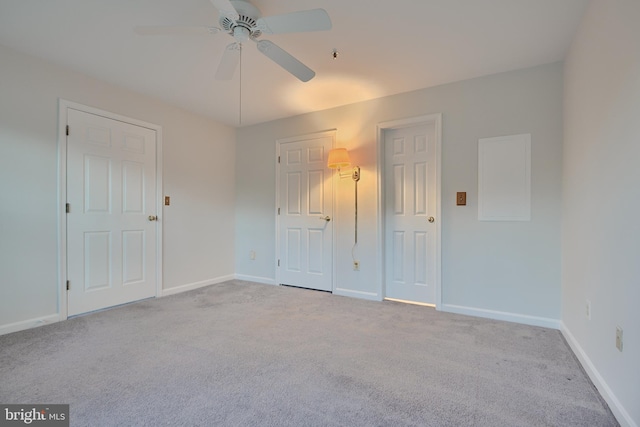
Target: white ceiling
386,47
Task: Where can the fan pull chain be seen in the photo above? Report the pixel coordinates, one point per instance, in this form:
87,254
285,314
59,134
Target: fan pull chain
240,91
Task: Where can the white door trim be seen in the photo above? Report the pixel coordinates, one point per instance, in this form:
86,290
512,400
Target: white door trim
63,107
398,124
331,133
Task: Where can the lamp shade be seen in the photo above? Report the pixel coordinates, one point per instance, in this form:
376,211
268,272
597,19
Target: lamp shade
338,158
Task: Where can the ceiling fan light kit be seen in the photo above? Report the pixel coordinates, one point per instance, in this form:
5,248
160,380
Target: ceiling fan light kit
243,21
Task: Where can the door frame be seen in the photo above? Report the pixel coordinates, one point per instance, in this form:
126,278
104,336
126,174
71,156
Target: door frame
63,107
331,133
382,128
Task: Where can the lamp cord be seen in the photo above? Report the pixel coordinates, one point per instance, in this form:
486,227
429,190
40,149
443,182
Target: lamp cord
353,249
356,219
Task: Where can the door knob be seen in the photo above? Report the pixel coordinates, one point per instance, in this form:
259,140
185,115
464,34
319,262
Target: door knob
326,218
431,219
153,218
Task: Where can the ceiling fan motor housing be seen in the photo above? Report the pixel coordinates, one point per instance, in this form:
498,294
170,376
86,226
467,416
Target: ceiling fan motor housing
247,19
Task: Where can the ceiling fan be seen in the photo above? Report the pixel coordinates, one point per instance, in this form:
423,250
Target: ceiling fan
243,21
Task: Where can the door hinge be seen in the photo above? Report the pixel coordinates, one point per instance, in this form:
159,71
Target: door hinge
278,211
68,208
278,159
278,263
67,130
68,285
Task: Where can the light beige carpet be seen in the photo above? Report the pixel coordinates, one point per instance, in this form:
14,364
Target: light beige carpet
242,354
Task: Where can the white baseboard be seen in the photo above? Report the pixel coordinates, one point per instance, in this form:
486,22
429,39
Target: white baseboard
502,315
263,280
28,324
607,394
372,296
196,285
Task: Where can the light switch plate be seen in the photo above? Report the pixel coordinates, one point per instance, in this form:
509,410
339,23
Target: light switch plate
461,198
167,200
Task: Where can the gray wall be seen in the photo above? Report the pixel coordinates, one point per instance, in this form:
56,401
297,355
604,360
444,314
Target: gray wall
198,175
497,269
601,229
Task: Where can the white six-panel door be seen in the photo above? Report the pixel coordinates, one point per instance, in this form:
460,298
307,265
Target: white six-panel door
305,202
111,192
410,213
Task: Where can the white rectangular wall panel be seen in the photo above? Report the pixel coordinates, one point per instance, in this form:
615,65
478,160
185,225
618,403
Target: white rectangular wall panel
504,178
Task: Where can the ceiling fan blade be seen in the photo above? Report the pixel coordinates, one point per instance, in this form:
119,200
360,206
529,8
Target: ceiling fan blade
285,60
229,62
226,9
163,30
305,20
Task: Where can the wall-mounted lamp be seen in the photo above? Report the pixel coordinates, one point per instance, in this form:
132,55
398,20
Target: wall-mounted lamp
339,159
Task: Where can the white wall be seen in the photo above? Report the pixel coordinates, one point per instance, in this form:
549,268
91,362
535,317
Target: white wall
601,225
496,269
198,175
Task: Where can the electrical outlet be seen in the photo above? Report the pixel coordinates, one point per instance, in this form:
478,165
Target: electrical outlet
619,338
252,255
587,310
356,265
